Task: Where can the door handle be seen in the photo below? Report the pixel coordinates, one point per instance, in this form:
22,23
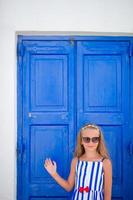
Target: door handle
31,115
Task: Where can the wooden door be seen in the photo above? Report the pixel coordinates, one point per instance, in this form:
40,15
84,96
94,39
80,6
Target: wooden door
62,85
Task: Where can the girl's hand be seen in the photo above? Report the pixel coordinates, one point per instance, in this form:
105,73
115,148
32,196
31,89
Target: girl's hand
50,166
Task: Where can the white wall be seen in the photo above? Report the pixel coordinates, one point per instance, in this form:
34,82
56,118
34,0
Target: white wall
45,16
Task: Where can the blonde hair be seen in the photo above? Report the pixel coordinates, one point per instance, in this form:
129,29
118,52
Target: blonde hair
101,149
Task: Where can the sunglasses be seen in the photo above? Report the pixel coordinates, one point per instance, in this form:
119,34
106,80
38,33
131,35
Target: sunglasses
93,139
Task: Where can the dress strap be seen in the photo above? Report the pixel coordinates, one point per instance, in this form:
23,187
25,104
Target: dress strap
103,159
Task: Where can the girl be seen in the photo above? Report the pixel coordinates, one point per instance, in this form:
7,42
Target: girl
91,168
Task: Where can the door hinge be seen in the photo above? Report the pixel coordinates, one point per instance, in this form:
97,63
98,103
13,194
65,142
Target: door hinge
20,149
72,41
131,49
130,149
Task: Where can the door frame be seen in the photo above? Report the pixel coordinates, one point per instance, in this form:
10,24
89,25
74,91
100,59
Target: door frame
20,52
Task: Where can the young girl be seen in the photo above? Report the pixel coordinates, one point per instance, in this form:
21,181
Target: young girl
91,168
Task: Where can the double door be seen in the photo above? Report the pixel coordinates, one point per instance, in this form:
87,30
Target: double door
62,85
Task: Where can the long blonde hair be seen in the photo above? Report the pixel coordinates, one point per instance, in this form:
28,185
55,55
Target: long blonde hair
101,149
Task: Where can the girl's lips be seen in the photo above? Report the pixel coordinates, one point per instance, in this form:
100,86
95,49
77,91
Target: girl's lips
91,146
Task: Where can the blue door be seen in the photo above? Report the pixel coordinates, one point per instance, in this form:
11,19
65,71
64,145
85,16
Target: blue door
63,84
48,116
103,97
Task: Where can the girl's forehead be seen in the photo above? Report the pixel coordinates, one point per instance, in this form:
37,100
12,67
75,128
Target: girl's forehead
90,132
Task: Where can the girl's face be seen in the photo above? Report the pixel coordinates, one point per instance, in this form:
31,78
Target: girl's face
90,139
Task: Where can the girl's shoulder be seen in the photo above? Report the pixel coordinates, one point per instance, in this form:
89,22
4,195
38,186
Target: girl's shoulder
106,160
107,163
74,161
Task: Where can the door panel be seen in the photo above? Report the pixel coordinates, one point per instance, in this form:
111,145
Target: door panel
96,75
49,83
48,115
103,77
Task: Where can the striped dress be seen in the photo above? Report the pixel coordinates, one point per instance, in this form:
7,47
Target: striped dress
89,180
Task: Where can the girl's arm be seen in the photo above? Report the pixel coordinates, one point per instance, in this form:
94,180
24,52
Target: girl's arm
107,179
66,184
